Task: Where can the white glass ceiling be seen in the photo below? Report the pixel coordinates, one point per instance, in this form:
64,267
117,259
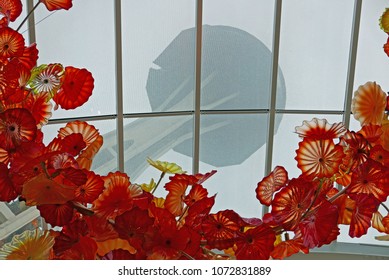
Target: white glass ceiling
214,103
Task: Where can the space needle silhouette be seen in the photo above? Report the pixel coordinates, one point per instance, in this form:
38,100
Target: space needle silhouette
235,75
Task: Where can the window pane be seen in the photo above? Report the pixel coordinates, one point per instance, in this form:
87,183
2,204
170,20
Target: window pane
82,37
372,63
158,55
236,54
314,51
156,137
234,145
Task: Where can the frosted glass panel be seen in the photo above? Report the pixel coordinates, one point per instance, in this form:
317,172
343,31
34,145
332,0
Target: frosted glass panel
314,52
82,37
234,145
159,138
236,54
158,55
372,63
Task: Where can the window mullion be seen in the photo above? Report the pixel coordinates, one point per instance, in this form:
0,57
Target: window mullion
119,84
197,98
352,61
273,89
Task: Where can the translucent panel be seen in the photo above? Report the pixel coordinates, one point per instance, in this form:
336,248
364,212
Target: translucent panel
158,55
82,37
314,52
234,145
236,56
154,137
372,63
286,140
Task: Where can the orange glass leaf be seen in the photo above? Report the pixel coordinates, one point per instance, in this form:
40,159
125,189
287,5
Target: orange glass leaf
365,206
52,5
175,198
345,206
368,104
76,88
107,246
319,158
378,222
371,132
270,184
288,248
42,190
85,159
41,109
320,129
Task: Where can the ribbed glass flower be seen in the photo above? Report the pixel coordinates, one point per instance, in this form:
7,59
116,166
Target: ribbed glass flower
319,158
368,104
30,245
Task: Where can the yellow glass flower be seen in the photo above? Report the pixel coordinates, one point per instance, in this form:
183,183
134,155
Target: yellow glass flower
148,187
159,202
384,21
30,245
166,167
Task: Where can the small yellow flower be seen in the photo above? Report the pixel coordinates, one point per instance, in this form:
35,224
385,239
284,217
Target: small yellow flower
166,167
30,245
159,202
148,187
384,21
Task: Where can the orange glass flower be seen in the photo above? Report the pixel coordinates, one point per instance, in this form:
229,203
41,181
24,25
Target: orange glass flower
76,88
320,129
116,197
270,184
369,103
319,158
11,43
30,245
13,8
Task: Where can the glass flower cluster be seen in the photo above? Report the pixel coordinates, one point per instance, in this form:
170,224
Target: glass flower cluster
344,178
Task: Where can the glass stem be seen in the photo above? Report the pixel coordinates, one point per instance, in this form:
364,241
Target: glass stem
28,15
